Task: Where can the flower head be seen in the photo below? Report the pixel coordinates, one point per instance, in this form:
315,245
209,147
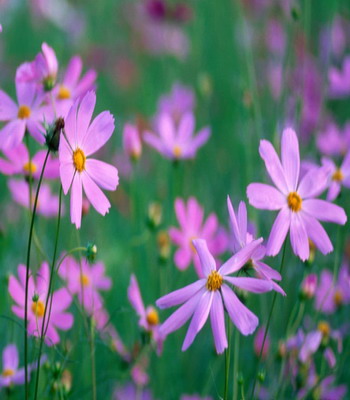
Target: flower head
132,142
333,141
77,170
337,176
37,294
299,210
11,374
192,226
339,80
211,294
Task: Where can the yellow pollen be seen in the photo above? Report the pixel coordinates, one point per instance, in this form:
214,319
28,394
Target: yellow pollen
324,328
79,160
152,317
214,281
30,168
38,308
84,279
294,201
63,93
338,175
338,298
8,372
177,151
23,112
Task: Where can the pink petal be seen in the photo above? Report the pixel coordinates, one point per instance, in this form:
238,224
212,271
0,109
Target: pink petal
67,172
104,175
217,320
76,200
265,197
36,129
313,183
70,127
73,71
210,227
186,127
298,237
43,278
166,129
183,257
245,321
63,320
195,214
95,195
12,134
86,109
207,260
199,318
135,298
8,109
290,158
267,271
200,139
250,284
16,291
278,232
52,336
180,211
61,300
152,140
325,211
10,357
176,236
317,234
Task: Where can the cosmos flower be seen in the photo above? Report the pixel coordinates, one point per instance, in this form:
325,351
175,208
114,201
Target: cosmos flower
338,176
26,115
47,204
17,162
299,210
192,226
329,297
77,170
339,80
11,374
132,142
333,141
149,319
85,280
241,237
177,142
131,392
37,294
210,295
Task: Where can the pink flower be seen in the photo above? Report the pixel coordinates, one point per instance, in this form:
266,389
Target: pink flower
210,295
85,280
338,176
46,67
131,141
26,115
149,319
241,237
17,162
37,293
309,285
77,171
11,374
192,226
333,141
47,202
299,210
258,342
339,80
177,142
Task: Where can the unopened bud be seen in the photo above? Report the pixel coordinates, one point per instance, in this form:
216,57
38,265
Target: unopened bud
91,252
53,133
154,217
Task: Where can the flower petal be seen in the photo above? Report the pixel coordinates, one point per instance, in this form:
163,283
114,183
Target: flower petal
265,197
104,175
325,211
207,260
84,115
317,234
250,284
298,236
10,357
76,200
217,320
95,195
290,158
278,232
134,296
313,183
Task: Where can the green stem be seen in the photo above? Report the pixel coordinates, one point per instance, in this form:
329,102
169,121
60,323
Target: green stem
227,359
92,356
49,295
27,277
269,320
235,366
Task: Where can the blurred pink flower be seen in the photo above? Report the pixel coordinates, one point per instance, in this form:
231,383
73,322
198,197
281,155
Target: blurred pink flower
177,142
85,280
17,162
299,211
258,342
77,171
48,203
309,286
210,295
37,294
334,141
131,392
338,176
131,141
339,80
192,226
11,374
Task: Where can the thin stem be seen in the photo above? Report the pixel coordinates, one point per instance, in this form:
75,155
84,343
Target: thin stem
227,359
235,366
269,319
27,277
43,329
92,356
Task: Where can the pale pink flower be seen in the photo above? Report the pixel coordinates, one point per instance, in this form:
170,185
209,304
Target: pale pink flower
131,141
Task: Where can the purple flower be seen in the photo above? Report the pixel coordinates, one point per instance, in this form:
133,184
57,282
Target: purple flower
333,141
83,138
210,295
26,115
11,374
339,80
338,176
85,280
177,142
192,226
17,162
241,237
299,210
47,204
37,293
131,392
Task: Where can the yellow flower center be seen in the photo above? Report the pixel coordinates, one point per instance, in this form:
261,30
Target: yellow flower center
338,175
324,328
79,160
23,112
84,279
152,317
338,298
63,93
294,201
214,281
8,372
177,151
38,308
30,168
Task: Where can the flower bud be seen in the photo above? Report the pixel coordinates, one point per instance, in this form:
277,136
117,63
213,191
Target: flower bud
53,133
132,142
91,252
154,215
309,286
163,242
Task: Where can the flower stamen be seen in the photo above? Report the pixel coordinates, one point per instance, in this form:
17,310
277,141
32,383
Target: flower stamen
23,112
63,93
214,281
38,308
30,168
79,159
177,151
294,201
152,317
8,372
338,175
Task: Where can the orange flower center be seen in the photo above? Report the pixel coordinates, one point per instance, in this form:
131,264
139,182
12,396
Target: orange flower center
152,317
8,372
79,159
30,168
324,328
338,175
84,279
23,112
177,151
63,93
338,298
214,281
38,308
294,201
